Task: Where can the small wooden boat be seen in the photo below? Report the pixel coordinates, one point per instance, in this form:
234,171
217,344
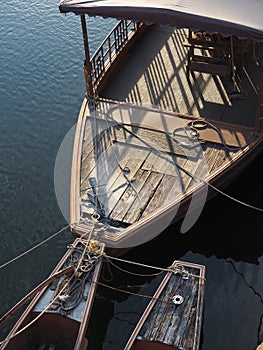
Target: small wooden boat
173,318
137,168
57,317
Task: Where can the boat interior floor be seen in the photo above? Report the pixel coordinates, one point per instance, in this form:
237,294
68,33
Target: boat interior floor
129,171
155,73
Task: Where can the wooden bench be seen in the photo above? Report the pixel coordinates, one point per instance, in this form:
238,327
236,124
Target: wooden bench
206,64
214,54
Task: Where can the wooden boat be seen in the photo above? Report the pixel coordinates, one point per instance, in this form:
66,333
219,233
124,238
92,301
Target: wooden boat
57,317
173,318
137,168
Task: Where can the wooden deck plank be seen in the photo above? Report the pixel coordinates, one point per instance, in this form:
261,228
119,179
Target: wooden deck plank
99,145
222,156
154,139
187,169
214,156
163,163
174,324
210,153
102,167
113,181
145,194
168,190
120,186
129,196
95,130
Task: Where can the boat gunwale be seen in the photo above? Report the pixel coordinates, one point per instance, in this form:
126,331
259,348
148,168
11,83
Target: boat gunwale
153,301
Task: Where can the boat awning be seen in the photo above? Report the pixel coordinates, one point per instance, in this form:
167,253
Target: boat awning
243,18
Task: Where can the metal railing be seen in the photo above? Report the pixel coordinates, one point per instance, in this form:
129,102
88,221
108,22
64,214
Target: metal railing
110,48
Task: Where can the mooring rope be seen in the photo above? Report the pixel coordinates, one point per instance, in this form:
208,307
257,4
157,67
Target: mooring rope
38,316
34,247
179,268
72,286
132,293
197,125
84,259
130,272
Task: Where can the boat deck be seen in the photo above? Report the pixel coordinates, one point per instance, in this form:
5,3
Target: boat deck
137,160
130,171
155,74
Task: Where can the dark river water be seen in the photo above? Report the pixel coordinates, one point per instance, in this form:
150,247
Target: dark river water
41,90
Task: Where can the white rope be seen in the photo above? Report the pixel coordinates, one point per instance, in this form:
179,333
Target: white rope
132,273
33,248
232,198
179,268
38,316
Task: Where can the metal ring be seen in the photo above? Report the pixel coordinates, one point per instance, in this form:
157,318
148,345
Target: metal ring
177,299
95,216
198,124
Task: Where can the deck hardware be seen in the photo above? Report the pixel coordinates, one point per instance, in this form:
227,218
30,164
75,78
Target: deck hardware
95,216
126,170
177,299
194,133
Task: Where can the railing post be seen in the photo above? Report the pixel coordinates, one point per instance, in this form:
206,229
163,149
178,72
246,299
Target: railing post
87,62
259,113
109,48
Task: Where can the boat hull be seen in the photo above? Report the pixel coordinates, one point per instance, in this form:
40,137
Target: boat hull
48,323
213,166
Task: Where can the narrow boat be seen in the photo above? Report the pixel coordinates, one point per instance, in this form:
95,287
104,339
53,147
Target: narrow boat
57,317
173,318
172,114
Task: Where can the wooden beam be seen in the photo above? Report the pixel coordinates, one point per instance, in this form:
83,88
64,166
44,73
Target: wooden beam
87,62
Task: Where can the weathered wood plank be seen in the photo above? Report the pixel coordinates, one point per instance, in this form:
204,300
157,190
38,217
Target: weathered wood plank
168,190
95,130
145,195
222,156
210,153
163,163
173,324
154,139
129,196
112,180
116,189
214,156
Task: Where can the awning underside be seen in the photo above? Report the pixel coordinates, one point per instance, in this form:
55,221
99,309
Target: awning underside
236,17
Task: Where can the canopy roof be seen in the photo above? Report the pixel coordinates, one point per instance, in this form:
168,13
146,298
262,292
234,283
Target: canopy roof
243,18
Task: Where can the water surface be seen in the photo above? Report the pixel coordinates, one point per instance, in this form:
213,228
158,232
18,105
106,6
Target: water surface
41,90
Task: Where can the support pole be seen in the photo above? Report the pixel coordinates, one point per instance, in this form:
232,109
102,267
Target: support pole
259,113
87,62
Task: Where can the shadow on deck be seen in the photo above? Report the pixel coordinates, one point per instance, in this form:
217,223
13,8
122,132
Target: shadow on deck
155,74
